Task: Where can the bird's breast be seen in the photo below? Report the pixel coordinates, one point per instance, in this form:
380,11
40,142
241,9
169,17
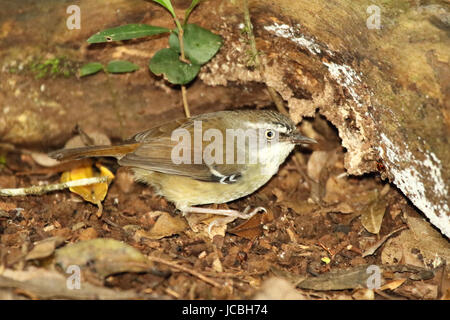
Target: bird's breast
185,192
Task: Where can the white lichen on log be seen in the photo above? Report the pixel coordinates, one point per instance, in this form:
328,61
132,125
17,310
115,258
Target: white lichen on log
410,180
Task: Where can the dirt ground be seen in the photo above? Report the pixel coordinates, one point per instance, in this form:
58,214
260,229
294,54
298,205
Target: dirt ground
312,227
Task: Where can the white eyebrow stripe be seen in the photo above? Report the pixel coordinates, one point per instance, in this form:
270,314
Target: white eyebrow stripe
253,125
257,126
282,129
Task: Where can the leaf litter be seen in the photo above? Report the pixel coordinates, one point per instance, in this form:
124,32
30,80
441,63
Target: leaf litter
315,230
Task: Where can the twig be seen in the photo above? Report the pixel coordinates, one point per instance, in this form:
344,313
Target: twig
37,190
254,52
373,248
172,293
192,272
328,250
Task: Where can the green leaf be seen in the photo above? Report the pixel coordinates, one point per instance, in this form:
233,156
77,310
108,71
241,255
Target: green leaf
121,66
194,3
167,62
168,5
90,68
126,32
200,44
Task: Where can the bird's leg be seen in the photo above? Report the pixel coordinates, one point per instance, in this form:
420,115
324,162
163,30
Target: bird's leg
226,212
230,215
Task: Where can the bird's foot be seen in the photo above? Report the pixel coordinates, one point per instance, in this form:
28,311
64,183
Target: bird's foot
229,214
226,212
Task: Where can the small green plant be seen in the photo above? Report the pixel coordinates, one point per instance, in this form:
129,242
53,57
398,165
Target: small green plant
115,66
190,46
53,67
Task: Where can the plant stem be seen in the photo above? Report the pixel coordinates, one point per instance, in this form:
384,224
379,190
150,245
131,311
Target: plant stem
254,51
180,39
183,59
185,102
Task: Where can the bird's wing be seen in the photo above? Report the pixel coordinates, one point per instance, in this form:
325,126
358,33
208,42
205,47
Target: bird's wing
156,148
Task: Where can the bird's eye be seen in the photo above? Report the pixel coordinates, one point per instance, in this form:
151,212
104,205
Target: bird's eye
270,134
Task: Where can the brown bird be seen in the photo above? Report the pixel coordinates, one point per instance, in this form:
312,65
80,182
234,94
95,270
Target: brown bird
210,158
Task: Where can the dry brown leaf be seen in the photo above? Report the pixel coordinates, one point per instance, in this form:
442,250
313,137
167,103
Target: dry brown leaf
419,290
44,160
392,285
94,137
44,248
336,190
301,207
317,161
338,279
373,248
420,245
166,226
393,252
201,223
341,207
47,284
252,228
372,216
431,243
357,277
293,278
102,256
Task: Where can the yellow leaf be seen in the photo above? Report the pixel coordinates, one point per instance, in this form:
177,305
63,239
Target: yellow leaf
94,193
326,260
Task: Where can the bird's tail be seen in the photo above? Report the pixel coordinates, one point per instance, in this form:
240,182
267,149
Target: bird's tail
117,151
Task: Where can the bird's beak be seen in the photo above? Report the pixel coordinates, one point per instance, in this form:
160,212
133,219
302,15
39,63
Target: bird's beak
297,138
